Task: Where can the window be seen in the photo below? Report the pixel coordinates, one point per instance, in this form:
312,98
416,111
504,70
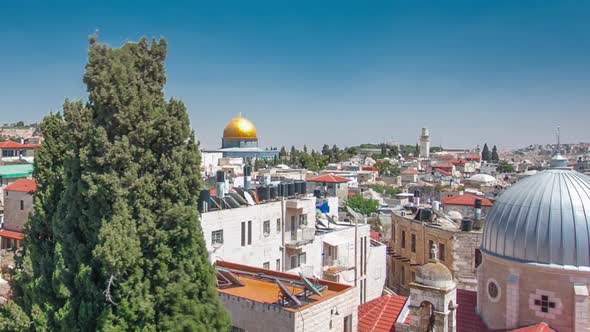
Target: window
429,249
413,242
302,258
493,290
477,258
243,233
278,225
302,220
217,237
266,265
266,227
403,240
278,264
293,261
348,323
441,252
22,205
402,276
249,231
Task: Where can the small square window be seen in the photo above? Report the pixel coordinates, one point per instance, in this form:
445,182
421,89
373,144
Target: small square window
266,227
217,237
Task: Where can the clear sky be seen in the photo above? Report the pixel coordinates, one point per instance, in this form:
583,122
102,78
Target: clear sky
336,72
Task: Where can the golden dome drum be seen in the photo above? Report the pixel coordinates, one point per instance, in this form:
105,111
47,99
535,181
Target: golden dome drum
240,128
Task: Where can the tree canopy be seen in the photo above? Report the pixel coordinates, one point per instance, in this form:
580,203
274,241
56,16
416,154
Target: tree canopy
114,242
363,205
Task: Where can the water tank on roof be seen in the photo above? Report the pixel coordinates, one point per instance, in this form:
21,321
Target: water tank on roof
273,192
317,193
478,203
298,187
466,225
291,189
303,187
220,177
204,198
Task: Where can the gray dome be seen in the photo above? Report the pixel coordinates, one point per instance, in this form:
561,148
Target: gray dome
543,219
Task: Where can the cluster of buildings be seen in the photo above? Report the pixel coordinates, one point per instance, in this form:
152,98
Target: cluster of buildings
454,246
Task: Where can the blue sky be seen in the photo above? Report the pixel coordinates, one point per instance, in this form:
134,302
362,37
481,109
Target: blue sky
336,72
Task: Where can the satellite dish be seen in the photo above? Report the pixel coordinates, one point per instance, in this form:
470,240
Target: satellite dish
249,198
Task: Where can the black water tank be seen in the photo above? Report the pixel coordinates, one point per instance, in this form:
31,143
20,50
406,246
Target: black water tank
466,225
220,177
416,193
478,203
303,187
266,193
247,170
298,187
317,193
204,197
291,189
273,192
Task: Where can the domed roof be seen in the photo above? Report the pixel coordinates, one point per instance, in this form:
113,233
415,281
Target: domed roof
239,128
544,219
433,273
481,178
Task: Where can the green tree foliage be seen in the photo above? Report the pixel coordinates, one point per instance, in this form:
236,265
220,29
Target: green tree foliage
485,153
363,205
417,150
504,167
115,241
283,152
386,190
495,156
435,149
387,168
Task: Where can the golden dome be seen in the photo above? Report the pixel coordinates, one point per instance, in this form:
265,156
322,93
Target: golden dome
239,128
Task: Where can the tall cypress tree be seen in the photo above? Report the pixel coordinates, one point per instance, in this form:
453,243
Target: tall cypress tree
495,156
125,246
485,153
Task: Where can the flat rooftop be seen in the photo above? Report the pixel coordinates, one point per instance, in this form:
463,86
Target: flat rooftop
260,285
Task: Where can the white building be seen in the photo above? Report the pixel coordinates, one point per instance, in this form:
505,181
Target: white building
282,234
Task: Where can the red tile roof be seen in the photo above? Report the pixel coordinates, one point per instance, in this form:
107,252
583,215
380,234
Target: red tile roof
370,168
466,200
458,161
443,172
410,171
328,178
22,185
11,234
15,145
473,157
541,327
443,166
467,318
380,314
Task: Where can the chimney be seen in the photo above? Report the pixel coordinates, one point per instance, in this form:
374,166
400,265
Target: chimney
220,184
247,173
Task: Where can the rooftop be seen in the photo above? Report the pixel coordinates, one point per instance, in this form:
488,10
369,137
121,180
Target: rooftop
466,200
16,171
381,314
15,145
264,286
329,178
11,234
22,185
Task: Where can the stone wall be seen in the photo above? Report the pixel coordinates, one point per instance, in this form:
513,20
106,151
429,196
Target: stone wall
463,268
14,217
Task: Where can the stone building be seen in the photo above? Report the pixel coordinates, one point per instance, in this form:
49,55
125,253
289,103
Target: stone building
18,204
536,253
265,300
413,235
464,204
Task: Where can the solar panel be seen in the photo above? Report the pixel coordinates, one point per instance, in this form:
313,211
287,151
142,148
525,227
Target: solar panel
288,294
309,286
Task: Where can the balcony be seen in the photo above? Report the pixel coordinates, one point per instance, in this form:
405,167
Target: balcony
297,204
300,237
335,266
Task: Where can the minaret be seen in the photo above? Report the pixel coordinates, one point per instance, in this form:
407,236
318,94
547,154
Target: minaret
425,144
